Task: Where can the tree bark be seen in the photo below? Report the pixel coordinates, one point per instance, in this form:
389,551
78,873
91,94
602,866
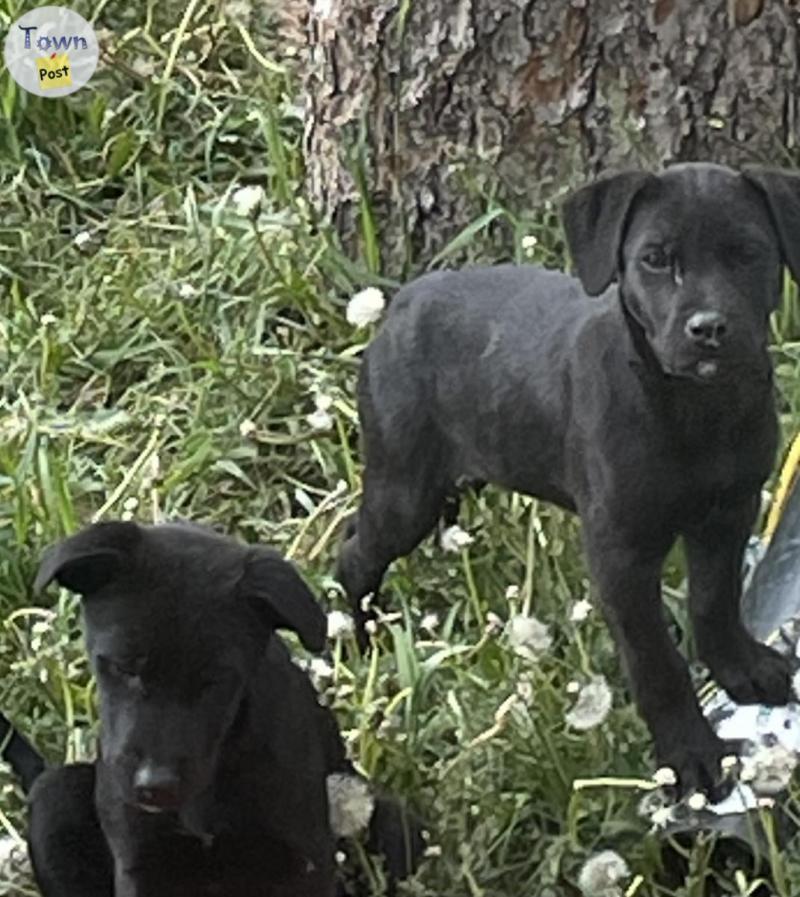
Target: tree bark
429,107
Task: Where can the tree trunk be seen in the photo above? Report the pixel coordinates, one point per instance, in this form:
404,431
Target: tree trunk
420,110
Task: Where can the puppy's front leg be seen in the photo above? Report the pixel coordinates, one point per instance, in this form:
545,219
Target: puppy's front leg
750,672
629,583
124,883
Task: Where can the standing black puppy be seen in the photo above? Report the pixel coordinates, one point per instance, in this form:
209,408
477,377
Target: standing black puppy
649,411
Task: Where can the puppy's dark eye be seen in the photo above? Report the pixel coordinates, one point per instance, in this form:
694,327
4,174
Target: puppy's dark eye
120,671
125,671
656,258
219,681
744,254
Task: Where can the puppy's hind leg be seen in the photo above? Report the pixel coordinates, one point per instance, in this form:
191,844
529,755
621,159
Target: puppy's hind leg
400,506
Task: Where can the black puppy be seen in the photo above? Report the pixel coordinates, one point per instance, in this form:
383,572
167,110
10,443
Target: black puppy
214,750
649,411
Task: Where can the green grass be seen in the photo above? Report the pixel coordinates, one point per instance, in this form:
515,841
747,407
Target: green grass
127,371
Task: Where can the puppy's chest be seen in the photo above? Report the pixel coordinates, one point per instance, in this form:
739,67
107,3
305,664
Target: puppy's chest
237,867
694,484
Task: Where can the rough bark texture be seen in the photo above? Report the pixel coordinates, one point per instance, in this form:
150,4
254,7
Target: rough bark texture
524,98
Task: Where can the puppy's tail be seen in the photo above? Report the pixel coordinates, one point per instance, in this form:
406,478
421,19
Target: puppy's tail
27,763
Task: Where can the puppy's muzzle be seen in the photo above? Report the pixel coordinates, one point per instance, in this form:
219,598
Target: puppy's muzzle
156,788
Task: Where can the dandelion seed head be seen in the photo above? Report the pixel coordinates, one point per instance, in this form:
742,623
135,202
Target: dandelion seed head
592,707
340,625
528,637
350,803
602,873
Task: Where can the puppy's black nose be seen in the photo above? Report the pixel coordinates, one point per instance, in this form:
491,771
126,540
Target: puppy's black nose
156,787
706,328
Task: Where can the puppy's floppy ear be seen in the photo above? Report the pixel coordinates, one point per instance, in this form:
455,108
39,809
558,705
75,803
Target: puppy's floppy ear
90,559
781,190
284,599
594,222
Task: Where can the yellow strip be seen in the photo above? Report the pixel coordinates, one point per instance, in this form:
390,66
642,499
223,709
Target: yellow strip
786,480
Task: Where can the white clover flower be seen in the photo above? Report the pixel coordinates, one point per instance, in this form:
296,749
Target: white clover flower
248,201
592,707
454,538
529,243
662,817
320,420
82,239
350,804
340,624
320,668
602,873
433,850
48,319
187,291
247,428
512,593
580,611
697,801
573,687
430,622
665,776
365,307
131,503
528,637
525,690
493,623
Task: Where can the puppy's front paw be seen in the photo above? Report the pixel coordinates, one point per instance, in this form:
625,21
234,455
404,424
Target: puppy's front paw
695,754
755,674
